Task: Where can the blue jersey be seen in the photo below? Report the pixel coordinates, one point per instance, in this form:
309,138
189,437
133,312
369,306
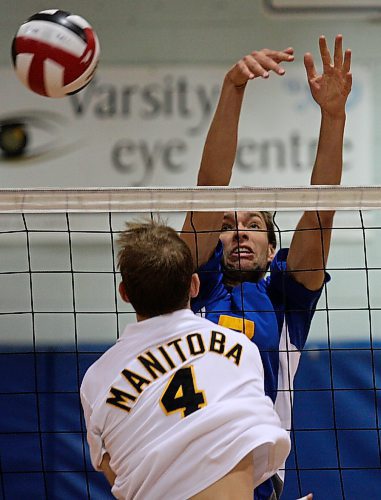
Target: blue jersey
274,313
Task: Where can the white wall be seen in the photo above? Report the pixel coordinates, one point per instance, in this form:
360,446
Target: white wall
81,306
179,32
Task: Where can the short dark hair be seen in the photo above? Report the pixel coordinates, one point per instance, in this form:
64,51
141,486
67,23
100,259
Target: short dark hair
269,221
156,267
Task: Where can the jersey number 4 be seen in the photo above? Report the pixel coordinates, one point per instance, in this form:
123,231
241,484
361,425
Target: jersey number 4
181,393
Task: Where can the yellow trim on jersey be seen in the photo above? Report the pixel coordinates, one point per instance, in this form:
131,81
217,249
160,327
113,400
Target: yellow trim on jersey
245,326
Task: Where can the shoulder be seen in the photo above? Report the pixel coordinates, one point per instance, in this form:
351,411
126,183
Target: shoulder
214,261
283,288
94,376
279,262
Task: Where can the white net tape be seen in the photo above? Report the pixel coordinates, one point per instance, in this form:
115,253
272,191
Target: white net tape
187,199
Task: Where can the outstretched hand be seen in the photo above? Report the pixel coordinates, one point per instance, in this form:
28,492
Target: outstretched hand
330,89
259,64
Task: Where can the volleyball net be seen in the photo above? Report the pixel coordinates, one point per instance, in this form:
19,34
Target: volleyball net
60,310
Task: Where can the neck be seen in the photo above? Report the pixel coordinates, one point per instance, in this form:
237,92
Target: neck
140,317
233,277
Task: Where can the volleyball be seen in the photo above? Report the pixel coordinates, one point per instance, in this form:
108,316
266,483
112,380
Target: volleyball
55,53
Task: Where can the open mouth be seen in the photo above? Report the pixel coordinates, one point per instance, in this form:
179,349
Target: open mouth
241,253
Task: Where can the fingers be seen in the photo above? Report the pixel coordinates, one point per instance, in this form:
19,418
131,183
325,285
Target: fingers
347,61
289,50
339,62
325,55
260,63
348,82
310,66
347,75
258,66
245,71
278,56
338,53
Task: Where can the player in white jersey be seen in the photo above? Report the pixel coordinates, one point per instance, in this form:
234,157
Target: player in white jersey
176,408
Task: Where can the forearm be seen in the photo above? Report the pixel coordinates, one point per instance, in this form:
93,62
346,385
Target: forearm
215,170
221,142
327,170
311,241
106,469
328,166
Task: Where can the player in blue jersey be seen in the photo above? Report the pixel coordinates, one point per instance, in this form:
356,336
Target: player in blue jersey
274,311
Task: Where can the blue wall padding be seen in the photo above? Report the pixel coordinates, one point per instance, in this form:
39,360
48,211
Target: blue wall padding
336,445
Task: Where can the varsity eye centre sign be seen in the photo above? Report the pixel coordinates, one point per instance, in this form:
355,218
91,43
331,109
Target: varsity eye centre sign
138,126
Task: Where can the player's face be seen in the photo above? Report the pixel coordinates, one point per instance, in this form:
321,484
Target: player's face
245,242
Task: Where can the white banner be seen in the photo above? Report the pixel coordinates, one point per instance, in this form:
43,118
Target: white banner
135,126
316,4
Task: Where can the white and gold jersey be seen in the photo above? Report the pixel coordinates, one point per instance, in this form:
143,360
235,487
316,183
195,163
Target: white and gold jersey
177,402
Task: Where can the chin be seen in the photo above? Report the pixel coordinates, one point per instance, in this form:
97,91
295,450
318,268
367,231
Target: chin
233,275
246,267
242,266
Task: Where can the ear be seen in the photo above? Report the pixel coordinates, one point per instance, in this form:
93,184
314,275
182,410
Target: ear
123,293
270,253
195,286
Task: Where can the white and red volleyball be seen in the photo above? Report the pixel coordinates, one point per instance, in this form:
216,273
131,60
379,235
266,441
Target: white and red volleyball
55,53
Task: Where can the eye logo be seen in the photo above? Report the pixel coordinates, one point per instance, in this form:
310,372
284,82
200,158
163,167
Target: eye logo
13,139
32,135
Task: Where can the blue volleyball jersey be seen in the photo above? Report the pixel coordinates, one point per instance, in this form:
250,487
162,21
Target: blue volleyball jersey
274,313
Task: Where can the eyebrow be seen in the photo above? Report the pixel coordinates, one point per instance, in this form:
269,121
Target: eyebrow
252,215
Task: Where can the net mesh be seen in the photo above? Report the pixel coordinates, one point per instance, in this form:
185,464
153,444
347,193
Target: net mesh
59,311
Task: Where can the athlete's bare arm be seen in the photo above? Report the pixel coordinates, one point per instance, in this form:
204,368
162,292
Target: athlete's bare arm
106,469
330,90
238,483
221,144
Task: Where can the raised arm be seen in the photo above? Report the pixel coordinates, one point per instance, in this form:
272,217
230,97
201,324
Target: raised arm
309,248
201,229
